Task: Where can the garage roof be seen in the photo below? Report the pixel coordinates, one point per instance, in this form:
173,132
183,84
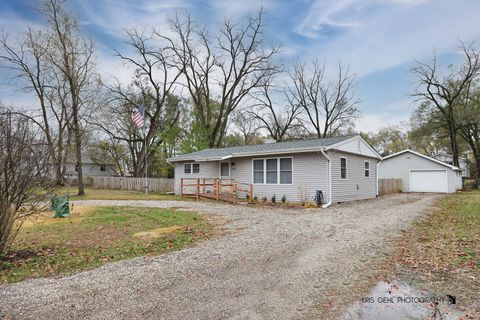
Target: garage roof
423,156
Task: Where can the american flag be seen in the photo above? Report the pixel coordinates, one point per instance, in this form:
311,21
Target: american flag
137,117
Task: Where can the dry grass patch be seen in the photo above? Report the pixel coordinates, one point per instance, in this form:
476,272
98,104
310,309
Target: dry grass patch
442,252
93,236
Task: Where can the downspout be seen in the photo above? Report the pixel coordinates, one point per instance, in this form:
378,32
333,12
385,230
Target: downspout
329,203
376,175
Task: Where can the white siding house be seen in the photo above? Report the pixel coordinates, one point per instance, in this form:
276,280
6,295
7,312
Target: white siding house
420,173
343,168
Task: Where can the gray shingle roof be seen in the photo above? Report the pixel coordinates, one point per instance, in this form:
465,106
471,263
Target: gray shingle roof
260,149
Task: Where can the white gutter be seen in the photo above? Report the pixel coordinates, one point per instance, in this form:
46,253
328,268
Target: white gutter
329,203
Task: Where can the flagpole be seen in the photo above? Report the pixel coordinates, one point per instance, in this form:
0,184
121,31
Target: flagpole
145,156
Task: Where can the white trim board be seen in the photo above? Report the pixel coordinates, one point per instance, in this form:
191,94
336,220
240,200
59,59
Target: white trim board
423,156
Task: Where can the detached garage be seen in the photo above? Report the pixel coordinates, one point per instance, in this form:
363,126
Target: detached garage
420,173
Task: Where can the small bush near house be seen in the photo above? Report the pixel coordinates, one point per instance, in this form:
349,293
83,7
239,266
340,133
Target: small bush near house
265,199
284,199
274,199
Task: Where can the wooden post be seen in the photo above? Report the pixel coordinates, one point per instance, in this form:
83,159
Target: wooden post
218,188
198,188
234,189
181,187
250,191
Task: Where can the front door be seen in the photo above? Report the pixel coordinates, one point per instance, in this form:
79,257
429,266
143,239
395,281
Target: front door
225,169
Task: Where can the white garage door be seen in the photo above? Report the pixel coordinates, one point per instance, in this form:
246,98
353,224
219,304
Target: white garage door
428,181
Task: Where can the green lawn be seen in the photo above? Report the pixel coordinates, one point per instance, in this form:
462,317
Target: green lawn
93,236
105,194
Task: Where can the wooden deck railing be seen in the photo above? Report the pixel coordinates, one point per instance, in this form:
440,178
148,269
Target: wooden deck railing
215,188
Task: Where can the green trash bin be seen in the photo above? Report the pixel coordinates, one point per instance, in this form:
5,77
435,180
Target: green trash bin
61,206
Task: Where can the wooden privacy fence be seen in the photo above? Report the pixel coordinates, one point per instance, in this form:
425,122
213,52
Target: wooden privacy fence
127,183
387,186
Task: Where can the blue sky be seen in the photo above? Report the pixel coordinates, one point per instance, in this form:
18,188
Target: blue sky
378,39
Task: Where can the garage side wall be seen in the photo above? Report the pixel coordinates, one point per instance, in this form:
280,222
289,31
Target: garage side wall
454,180
356,186
400,166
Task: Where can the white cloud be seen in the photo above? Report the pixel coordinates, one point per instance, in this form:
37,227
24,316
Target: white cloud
371,122
380,35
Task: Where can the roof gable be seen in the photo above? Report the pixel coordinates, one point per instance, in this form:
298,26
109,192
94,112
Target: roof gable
422,156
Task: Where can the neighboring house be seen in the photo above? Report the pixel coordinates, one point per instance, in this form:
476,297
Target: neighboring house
343,168
463,163
420,173
90,168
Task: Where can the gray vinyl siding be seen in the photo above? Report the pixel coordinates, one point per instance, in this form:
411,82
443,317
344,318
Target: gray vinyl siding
346,189
208,169
309,173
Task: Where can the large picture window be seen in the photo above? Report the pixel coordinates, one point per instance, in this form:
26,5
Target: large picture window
343,168
272,171
272,174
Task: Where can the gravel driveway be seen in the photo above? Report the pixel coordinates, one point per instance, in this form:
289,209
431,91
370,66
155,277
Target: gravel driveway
271,264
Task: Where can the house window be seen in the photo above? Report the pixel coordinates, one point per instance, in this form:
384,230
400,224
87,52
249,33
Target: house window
190,168
103,168
272,171
367,169
258,171
286,171
343,168
225,169
196,168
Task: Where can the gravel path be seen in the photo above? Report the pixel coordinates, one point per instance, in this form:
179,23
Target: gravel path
272,264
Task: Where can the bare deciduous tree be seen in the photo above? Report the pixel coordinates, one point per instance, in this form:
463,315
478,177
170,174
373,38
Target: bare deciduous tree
29,61
24,166
220,71
444,92
247,125
330,105
277,121
72,55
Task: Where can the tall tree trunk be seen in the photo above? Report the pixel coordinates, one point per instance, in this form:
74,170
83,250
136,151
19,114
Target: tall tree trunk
78,144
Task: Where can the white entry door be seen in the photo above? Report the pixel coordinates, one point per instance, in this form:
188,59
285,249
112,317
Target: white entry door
428,181
225,169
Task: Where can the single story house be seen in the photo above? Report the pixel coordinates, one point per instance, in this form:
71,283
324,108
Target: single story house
420,173
343,168
463,163
90,167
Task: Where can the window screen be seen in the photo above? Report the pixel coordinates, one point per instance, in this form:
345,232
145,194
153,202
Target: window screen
272,171
257,171
286,171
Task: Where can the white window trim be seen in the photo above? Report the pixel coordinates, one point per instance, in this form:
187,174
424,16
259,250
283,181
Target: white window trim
191,168
365,169
346,168
265,171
